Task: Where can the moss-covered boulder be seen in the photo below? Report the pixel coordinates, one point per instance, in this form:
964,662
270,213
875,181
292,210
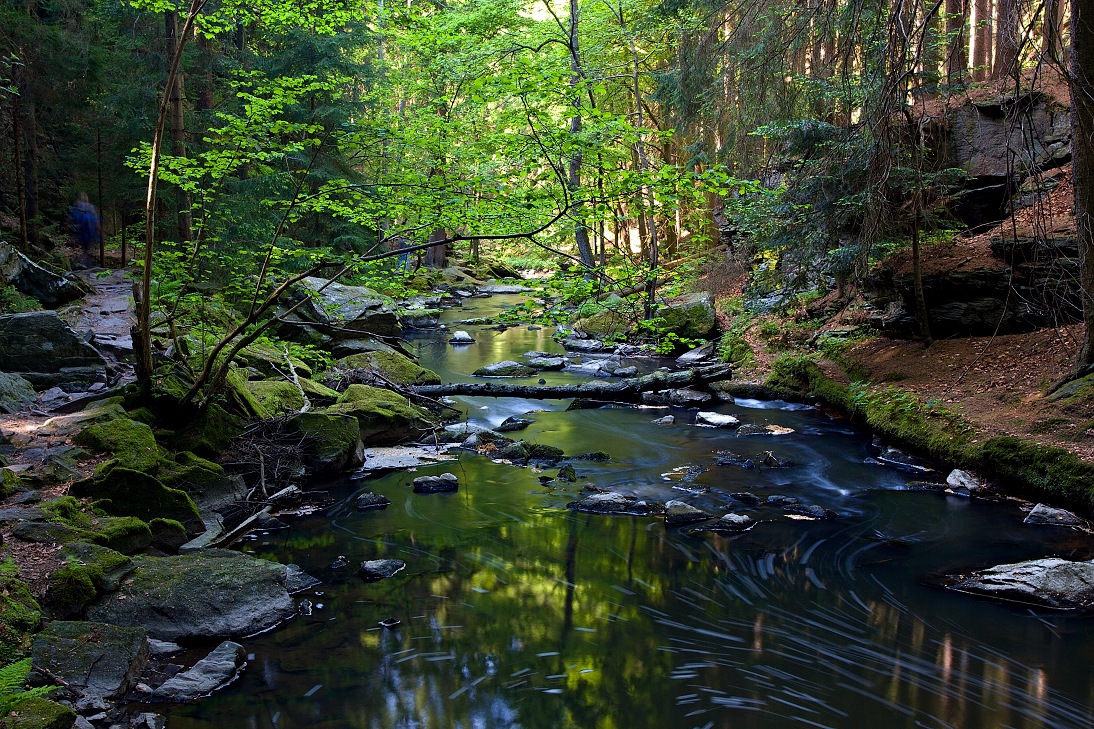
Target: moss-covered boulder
277,396
20,616
168,535
394,367
690,316
209,433
94,659
201,478
132,493
15,393
385,417
107,567
133,444
98,412
333,440
39,713
70,590
604,325
235,386
125,534
270,361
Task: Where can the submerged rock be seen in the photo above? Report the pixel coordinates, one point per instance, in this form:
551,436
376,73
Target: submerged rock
813,511
615,504
902,461
371,501
379,569
1051,582
508,368
206,676
1043,515
513,423
746,497
442,483
679,513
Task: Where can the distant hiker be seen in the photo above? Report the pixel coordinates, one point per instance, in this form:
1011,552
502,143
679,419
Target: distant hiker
401,245
87,226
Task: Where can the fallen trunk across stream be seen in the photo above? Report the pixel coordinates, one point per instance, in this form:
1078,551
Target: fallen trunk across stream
623,391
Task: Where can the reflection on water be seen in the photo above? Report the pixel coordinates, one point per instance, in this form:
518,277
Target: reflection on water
518,613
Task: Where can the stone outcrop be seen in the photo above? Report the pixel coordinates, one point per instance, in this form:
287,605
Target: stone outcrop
42,349
31,279
93,659
1050,582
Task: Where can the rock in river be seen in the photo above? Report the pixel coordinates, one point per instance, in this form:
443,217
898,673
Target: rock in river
1051,582
1042,515
615,504
678,513
370,501
379,569
443,483
731,523
508,368
716,420
214,593
206,676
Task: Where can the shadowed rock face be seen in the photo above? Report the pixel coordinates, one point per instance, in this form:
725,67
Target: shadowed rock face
1052,582
43,350
33,280
93,658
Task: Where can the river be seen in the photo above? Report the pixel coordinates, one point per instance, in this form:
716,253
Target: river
515,612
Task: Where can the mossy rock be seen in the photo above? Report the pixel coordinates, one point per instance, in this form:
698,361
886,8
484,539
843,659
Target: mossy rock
67,510
106,567
235,385
690,316
99,412
39,532
168,535
210,432
132,493
335,440
525,451
193,474
39,713
9,482
133,444
20,617
604,325
125,534
318,392
392,366
70,590
385,417
276,396
1038,472
270,360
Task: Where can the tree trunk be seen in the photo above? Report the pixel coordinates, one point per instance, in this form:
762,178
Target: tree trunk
178,127
435,255
981,51
1006,40
102,208
957,41
20,193
623,391
1082,151
30,171
581,231
1052,50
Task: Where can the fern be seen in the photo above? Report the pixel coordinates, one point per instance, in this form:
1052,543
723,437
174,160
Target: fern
12,678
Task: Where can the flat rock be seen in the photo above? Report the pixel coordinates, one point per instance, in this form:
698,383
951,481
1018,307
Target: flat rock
812,511
213,593
1050,582
583,345
615,504
752,429
716,420
217,669
631,371
746,497
698,354
547,363
680,397
666,420
371,501
678,513
97,659
441,483
898,459
16,393
392,458
503,289
379,569
731,523
1042,515
507,368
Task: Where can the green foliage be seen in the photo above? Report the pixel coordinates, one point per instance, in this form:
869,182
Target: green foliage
12,693
1038,472
20,614
13,301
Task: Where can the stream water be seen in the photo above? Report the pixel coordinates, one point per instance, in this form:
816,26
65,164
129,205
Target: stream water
516,612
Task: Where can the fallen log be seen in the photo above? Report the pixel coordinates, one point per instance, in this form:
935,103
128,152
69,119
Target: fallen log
629,391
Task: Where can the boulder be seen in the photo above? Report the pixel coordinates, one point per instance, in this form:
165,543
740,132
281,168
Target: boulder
547,363
350,311
746,497
213,593
666,420
134,493
615,504
732,523
32,280
567,473
513,423
277,396
690,316
460,337
605,324
1042,515
696,355
580,344
716,420
217,669
384,417
678,513
96,659
1050,582
396,368
43,350
680,397
763,430
16,393
812,511
371,501
630,371
334,440
379,569
508,368
270,361
442,483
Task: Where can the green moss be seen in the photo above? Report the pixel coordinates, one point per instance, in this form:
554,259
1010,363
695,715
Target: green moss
125,534
67,510
39,713
106,566
9,481
133,444
235,385
277,396
692,317
1038,472
270,361
606,324
167,535
392,366
334,438
192,474
132,493
70,590
317,391
384,416
209,433
20,616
